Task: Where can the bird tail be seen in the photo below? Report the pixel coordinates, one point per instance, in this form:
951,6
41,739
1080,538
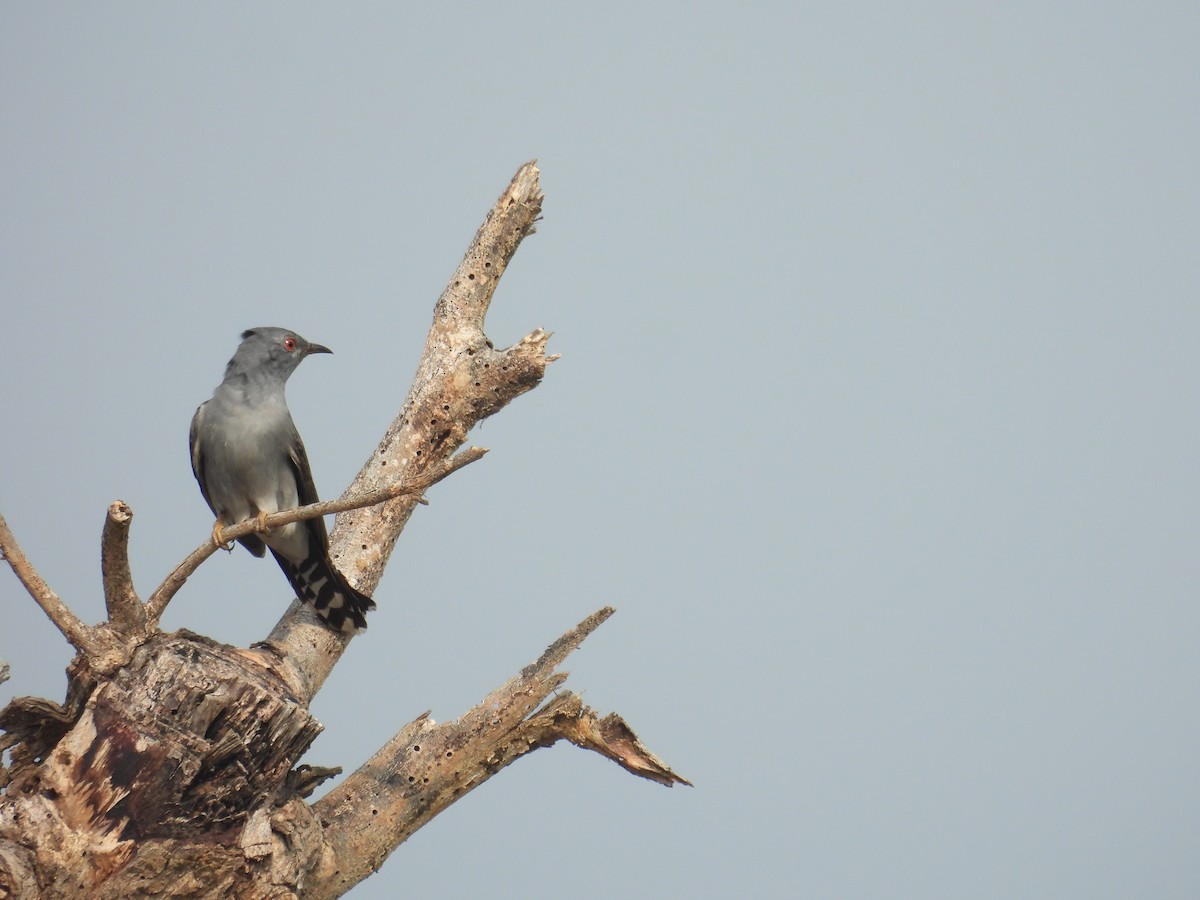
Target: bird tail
326,590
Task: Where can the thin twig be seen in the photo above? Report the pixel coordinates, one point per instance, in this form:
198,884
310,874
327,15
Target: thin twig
158,601
72,627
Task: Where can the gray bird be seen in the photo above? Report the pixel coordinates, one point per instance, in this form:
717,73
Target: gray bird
250,461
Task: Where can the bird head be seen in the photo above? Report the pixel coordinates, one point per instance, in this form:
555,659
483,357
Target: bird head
271,350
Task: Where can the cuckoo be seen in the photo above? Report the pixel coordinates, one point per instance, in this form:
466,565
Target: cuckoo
250,462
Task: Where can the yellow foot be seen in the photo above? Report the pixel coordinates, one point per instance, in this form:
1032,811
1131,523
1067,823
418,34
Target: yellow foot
216,537
260,523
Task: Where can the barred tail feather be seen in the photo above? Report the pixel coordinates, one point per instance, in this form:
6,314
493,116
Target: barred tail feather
326,590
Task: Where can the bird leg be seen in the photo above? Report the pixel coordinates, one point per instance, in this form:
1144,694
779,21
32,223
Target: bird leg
260,523
216,537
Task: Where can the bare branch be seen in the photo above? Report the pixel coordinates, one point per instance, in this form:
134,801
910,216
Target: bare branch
171,767
73,629
426,766
566,718
461,380
125,612
565,645
160,598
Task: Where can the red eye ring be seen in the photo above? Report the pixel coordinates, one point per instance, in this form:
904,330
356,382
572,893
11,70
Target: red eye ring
289,343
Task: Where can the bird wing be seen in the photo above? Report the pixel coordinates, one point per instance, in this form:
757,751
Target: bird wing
306,489
198,454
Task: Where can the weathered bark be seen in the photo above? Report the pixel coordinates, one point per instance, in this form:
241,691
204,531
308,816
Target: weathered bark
172,768
426,766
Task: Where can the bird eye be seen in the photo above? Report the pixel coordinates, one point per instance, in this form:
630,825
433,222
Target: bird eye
289,343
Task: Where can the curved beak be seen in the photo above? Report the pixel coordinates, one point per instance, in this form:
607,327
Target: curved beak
318,348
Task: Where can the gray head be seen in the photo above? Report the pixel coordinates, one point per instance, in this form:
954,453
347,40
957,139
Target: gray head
276,351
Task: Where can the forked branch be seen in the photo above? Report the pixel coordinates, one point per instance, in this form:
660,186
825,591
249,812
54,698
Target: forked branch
462,379
427,766
171,745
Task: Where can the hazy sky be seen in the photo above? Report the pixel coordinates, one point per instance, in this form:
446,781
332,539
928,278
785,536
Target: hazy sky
876,417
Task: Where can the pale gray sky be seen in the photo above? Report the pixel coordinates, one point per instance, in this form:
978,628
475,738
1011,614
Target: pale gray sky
875,419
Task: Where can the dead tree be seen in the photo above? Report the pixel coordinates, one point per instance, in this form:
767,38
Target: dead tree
172,768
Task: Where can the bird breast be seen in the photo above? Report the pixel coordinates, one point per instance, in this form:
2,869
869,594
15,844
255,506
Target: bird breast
249,468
